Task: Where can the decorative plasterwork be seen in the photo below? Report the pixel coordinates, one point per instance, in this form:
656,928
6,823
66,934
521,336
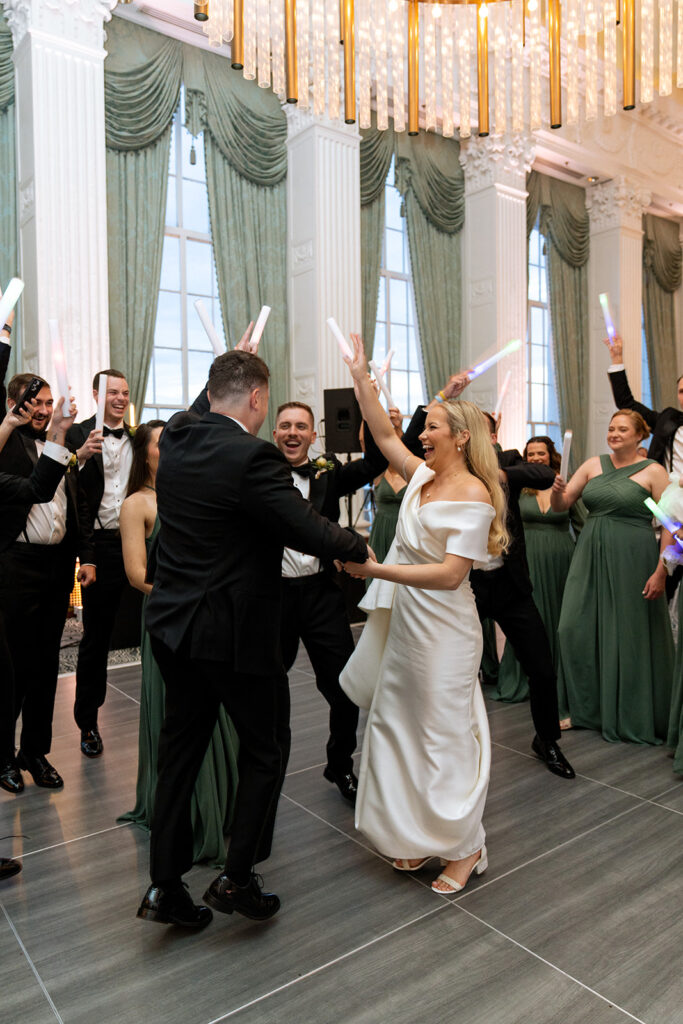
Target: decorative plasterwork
302,255
305,387
27,201
617,204
298,120
497,160
79,21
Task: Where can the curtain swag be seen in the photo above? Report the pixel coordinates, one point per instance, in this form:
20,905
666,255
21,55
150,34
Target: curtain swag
661,278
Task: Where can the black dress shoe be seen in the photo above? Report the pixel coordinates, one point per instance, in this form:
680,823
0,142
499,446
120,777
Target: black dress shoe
40,768
555,761
91,742
8,867
346,783
224,895
173,906
10,776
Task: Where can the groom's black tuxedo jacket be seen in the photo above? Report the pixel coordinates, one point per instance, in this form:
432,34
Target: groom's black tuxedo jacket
92,473
33,490
228,507
663,424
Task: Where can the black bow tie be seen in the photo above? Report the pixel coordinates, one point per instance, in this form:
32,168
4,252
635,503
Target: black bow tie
34,435
117,432
305,470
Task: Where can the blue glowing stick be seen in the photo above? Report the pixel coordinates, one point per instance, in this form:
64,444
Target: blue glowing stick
609,323
669,524
480,368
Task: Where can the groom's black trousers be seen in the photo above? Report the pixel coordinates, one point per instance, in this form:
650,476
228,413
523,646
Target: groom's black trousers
499,599
259,709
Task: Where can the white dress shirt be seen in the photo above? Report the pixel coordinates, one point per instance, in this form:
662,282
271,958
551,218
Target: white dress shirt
117,458
46,523
295,563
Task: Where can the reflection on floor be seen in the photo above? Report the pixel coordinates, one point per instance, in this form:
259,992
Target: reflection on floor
578,919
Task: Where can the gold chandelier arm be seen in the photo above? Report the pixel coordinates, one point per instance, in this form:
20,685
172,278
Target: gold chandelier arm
291,70
555,55
413,67
349,63
483,67
628,14
237,50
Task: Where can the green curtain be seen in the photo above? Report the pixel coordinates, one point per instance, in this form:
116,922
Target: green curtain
245,143
142,77
9,254
430,179
661,278
376,151
564,223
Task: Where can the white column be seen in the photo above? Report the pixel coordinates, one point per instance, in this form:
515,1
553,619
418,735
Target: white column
58,57
323,211
616,267
495,272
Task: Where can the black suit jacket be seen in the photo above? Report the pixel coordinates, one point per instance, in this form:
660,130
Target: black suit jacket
663,424
228,507
92,474
39,487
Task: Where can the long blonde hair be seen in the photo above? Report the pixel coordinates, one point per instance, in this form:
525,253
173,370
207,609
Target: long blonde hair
482,462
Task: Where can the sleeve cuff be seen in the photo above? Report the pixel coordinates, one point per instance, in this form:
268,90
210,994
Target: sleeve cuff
615,367
5,339
57,452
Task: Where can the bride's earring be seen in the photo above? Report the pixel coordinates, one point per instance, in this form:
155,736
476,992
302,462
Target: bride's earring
459,448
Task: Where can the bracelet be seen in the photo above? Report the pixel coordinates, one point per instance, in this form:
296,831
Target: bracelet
440,397
8,328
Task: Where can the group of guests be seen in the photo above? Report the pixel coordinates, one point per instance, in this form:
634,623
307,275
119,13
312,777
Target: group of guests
233,541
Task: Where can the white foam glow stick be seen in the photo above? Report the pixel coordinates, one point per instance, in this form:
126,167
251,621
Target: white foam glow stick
10,297
379,377
59,360
387,362
207,324
341,340
131,416
609,322
258,329
669,524
480,368
566,448
502,393
101,399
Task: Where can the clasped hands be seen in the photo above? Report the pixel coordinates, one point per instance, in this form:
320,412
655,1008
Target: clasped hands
358,570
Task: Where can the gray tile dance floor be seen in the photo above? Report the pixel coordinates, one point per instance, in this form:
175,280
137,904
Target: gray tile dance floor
578,919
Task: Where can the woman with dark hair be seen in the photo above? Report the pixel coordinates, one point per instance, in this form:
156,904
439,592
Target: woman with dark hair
217,780
615,636
550,540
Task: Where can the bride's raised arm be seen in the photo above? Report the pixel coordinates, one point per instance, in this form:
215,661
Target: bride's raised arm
393,449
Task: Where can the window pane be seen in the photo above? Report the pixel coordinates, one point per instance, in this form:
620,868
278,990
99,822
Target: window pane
399,389
399,343
382,299
198,364
149,393
379,349
398,301
537,369
199,269
394,251
393,209
195,207
534,283
165,414
536,326
197,338
171,204
170,264
537,403
168,376
168,330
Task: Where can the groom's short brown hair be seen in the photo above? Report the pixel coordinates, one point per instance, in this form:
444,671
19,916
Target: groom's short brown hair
236,373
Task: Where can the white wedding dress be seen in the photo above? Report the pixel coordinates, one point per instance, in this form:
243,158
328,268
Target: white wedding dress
426,751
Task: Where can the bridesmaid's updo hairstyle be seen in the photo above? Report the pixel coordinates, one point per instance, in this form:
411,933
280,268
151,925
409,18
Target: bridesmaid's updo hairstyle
482,462
138,469
637,421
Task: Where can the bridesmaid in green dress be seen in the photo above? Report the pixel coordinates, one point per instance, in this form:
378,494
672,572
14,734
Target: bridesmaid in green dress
389,491
549,550
214,793
615,636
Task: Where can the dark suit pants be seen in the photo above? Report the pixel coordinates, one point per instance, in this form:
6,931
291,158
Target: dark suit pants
259,708
35,584
100,605
314,611
7,719
499,599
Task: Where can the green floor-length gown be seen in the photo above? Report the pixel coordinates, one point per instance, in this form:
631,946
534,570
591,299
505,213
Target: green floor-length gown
214,792
387,503
616,648
549,551
674,737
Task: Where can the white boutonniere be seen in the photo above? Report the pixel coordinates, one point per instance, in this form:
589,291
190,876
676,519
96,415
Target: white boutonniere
322,465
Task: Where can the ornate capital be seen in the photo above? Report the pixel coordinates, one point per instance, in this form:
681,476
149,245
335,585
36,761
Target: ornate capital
299,120
497,160
79,21
617,204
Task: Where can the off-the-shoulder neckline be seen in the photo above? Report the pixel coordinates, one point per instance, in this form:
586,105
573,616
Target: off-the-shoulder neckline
455,501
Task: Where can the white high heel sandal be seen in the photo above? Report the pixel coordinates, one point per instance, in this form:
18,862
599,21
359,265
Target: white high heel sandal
478,868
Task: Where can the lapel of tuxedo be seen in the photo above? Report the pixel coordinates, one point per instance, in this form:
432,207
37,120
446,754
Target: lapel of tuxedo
318,491
30,449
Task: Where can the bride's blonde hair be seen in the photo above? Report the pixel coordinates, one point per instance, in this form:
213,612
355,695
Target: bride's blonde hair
482,462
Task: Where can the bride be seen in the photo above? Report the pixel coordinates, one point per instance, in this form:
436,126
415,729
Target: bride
426,752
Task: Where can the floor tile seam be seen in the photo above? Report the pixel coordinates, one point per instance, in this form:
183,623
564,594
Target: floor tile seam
330,963
77,839
335,828
549,963
31,964
123,693
110,668
309,768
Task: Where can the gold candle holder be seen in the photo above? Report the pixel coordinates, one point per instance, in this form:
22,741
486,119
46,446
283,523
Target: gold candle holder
349,63
554,26
628,14
483,68
291,70
413,67
237,52
201,9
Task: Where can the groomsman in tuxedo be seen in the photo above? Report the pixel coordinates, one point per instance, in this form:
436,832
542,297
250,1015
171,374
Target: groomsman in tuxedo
40,543
313,607
104,461
227,507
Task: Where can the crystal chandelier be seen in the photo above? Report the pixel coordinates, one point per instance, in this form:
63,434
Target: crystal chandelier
343,57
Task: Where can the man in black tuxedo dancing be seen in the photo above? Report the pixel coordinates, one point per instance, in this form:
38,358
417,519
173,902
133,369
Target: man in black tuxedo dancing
313,607
227,507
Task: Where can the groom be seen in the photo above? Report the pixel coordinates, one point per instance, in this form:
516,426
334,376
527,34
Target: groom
227,507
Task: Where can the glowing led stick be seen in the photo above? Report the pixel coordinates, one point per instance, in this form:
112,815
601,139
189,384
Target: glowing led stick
207,324
501,396
379,377
10,298
566,448
480,368
609,322
341,340
131,416
59,360
387,362
101,400
258,329
663,518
